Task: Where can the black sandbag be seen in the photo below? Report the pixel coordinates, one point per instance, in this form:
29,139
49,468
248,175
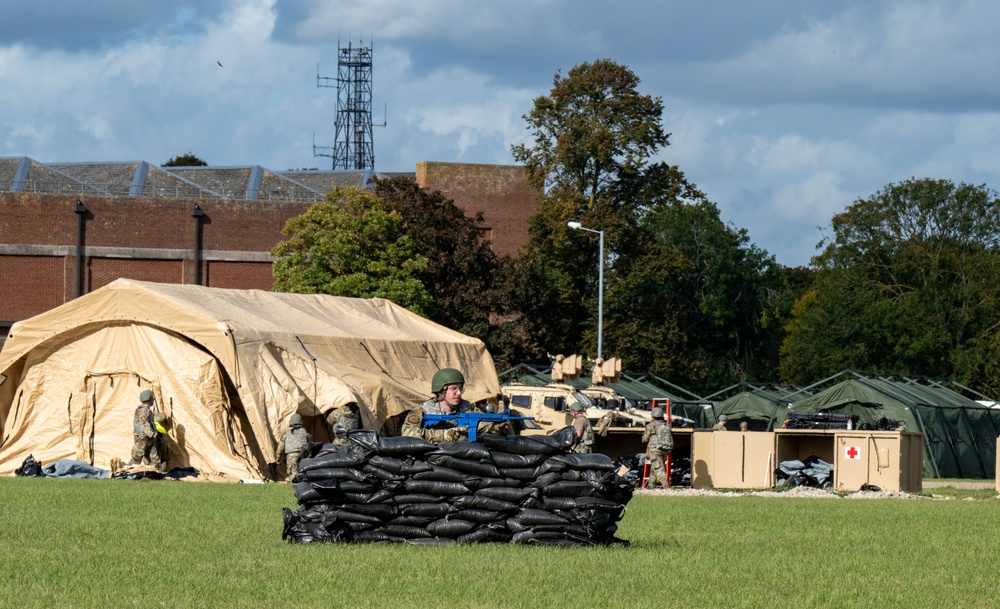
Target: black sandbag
403,446
412,521
31,468
570,489
507,493
558,503
417,498
463,450
529,445
484,535
335,473
351,516
354,527
305,493
530,535
469,466
375,472
434,487
503,459
477,516
442,473
382,511
375,537
312,524
483,503
599,503
524,474
343,456
547,479
379,496
530,517
475,483
450,527
425,509
586,461
404,467
592,517
532,502
367,439
406,532
332,485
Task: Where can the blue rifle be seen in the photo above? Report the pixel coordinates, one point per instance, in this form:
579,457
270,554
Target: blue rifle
471,420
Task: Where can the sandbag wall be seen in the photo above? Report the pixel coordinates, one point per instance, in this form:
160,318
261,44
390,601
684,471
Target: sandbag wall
498,490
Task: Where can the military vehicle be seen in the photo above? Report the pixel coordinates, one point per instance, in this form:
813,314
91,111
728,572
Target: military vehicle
618,426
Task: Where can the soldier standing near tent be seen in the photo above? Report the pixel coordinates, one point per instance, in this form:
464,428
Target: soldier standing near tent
447,386
584,432
144,448
294,441
721,425
342,420
659,442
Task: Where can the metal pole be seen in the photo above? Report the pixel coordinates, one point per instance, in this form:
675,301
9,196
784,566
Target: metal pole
600,294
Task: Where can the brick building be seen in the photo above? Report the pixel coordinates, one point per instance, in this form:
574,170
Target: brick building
70,228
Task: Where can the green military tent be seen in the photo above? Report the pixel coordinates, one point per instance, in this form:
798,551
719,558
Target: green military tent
760,409
959,433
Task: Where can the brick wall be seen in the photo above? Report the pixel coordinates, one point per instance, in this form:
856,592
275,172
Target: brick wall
500,192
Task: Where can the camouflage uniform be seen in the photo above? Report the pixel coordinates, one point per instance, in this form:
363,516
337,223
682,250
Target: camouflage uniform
445,431
344,419
659,442
294,441
584,435
145,450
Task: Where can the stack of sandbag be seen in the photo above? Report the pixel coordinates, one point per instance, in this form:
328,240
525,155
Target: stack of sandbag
501,489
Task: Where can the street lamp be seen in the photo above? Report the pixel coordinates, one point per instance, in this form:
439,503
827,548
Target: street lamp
600,281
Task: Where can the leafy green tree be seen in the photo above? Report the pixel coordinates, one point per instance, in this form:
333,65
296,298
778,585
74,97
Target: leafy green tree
351,245
593,133
461,269
185,160
909,282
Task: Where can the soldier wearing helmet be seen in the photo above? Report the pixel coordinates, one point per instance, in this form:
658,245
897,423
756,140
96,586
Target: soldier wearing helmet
144,435
584,432
447,386
721,425
294,443
659,442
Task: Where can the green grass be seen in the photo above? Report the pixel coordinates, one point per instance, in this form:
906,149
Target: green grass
117,543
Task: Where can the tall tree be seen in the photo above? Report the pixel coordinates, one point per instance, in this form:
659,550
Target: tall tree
591,134
351,245
909,282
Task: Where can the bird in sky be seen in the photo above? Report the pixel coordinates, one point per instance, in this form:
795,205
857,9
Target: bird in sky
220,63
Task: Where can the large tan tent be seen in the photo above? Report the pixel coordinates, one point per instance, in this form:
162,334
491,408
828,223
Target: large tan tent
230,367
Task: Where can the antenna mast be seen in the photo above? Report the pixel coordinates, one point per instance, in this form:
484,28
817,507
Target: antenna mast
353,147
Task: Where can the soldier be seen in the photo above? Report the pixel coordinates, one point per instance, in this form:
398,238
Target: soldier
744,426
659,442
584,432
342,420
447,386
721,425
294,441
144,449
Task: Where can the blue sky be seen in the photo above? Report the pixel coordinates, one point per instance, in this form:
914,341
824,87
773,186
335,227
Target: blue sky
783,112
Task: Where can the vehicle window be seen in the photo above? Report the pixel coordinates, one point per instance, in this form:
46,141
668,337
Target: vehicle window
584,399
524,401
557,403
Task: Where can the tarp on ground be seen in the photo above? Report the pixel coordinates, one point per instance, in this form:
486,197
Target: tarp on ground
959,434
230,367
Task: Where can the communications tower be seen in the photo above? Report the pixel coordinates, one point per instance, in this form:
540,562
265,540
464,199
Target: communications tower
353,148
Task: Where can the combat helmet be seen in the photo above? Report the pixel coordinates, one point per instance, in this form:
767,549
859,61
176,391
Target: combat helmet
145,396
446,376
657,413
296,420
576,407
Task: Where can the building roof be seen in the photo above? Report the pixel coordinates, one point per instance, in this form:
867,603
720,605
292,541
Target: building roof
139,178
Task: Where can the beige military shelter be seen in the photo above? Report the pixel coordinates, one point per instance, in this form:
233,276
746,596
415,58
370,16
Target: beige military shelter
229,367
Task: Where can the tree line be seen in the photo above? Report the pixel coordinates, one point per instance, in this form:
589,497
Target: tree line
906,283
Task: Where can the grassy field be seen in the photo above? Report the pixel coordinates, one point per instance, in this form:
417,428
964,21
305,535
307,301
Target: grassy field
117,543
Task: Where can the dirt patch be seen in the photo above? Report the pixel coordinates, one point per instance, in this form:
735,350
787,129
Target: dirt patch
958,484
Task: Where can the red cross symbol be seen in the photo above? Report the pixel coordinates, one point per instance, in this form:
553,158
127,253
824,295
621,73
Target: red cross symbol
853,452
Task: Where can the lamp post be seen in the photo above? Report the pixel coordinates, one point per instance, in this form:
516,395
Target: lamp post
600,280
